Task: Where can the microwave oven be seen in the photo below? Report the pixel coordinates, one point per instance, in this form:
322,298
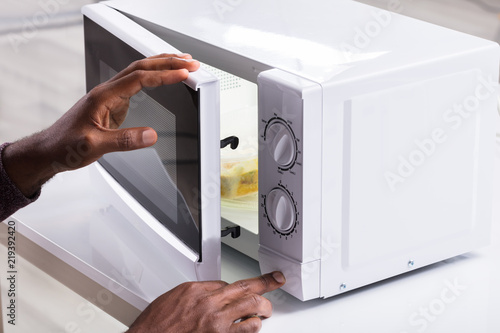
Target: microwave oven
374,133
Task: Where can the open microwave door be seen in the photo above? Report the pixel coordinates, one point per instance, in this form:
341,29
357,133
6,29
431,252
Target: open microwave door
140,222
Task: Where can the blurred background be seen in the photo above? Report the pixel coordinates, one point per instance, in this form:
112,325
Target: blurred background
42,76
41,63
476,17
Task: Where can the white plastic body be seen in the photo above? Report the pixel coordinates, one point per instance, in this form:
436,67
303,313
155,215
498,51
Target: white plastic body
365,92
410,168
393,120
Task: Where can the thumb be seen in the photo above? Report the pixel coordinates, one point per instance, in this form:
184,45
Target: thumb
128,139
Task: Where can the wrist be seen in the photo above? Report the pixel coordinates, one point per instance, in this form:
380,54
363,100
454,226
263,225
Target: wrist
27,163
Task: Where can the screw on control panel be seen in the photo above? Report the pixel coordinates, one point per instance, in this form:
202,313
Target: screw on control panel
411,263
343,287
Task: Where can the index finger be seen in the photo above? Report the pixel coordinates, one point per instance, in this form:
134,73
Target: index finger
258,285
158,63
132,83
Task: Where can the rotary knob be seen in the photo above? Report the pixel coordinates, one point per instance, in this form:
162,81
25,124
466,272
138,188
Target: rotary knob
280,143
280,210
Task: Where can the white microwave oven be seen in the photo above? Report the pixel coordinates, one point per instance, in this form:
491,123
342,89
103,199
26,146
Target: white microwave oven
374,133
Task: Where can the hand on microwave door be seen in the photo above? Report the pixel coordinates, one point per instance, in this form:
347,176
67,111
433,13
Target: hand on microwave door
212,306
90,128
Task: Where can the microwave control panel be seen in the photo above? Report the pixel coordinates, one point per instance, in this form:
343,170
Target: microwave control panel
280,170
280,142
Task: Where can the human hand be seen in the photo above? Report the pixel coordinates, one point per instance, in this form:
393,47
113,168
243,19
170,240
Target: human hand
90,128
212,306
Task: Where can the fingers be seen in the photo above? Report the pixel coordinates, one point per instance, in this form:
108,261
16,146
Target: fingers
132,83
258,285
252,324
213,285
126,139
211,307
160,63
113,97
251,305
254,307
167,55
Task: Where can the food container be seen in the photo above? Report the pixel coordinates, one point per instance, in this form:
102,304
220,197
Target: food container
238,178
239,167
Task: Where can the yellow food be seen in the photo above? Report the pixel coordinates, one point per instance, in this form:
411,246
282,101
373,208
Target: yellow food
239,178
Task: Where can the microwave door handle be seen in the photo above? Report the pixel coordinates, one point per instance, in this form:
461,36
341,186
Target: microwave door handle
232,140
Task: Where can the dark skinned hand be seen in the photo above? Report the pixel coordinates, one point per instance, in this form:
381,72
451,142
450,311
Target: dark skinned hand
212,306
90,128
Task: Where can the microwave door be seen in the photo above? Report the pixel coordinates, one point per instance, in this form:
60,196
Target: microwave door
144,221
175,179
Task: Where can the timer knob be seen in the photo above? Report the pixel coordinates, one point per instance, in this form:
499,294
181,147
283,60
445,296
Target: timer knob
280,210
280,142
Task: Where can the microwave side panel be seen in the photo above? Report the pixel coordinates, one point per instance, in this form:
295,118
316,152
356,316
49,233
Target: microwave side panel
410,168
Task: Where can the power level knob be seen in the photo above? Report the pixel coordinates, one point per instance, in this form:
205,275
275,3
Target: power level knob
280,210
280,143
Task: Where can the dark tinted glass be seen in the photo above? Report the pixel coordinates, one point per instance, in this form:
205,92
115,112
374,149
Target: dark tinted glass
165,178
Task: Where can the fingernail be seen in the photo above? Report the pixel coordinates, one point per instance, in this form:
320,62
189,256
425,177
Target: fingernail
188,60
279,277
149,137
